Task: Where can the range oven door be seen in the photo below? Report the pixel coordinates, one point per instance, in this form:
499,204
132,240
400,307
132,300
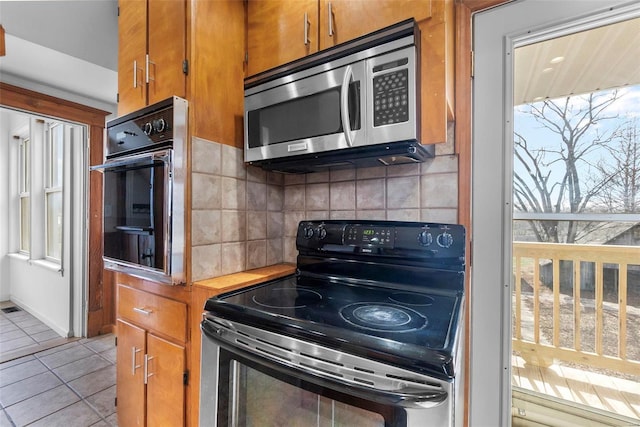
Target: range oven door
137,201
240,388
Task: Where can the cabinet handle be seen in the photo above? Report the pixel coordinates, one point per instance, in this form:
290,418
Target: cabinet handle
147,358
133,360
306,28
330,21
146,312
135,74
147,62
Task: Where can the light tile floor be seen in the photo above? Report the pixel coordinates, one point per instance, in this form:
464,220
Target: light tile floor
72,384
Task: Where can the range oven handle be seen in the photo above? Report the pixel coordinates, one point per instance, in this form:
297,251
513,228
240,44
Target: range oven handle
344,105
408,397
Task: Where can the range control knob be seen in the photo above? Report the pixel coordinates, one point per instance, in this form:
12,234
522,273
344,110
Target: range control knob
425,238
445,240
147,128
159,125
308,232
322,233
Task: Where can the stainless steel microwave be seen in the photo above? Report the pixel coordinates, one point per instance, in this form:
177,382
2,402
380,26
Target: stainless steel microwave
356,104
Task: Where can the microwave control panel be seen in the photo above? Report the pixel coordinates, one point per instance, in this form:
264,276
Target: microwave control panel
391,93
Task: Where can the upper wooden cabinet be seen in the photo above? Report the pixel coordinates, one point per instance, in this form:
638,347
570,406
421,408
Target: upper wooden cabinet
152,51
344,20
280,31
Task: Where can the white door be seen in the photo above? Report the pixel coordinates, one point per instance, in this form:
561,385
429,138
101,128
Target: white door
496,33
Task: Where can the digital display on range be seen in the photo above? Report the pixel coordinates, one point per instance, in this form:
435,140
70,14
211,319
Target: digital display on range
378,236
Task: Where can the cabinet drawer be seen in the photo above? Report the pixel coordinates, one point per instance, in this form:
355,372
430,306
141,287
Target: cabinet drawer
153,312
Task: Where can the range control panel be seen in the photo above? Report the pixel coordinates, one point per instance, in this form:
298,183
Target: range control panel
383,238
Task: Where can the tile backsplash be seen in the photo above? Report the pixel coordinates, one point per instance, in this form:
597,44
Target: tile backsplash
244,217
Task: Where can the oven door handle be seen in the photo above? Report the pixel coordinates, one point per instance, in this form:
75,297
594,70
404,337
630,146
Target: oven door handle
407,397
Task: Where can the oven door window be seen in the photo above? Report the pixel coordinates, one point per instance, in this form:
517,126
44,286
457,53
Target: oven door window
260,396
135,206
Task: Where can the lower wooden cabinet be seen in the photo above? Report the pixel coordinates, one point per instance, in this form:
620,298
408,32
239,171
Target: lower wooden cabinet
151,369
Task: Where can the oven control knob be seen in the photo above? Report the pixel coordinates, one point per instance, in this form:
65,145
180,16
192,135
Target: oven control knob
308,232
425,238
159,125
147,128
322,233
445,240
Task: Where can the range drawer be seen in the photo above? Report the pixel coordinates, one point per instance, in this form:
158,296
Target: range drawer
153,312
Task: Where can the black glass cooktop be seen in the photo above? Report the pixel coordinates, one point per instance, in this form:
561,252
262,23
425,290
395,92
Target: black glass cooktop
409,329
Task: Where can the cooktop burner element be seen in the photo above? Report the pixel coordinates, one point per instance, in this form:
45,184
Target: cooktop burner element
287,298
383,317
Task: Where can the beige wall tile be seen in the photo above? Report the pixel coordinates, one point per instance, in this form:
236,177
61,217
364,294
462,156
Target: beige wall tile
370,194
343,195
233,162
403,192
205,156
440,164
439,190
275,197
256,174
294,179
275,225
274,251
373,172
205,227
291,221
256,254
316,215
317,177
256,225
275,178
290,253
206,191
317,196
373,214
343,214
233,193
403,214
342,175
294,197
256,196
233,257
447,216
404,170
205,262
234,226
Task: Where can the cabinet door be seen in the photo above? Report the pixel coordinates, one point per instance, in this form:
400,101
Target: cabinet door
276,32
344,20
167,49
132,46
130,375
165,382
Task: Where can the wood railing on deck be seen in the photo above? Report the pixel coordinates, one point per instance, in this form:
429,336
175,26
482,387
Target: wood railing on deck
527,263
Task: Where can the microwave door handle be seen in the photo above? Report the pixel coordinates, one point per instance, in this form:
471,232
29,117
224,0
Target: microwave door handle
344,105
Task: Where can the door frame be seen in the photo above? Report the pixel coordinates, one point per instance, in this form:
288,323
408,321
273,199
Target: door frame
495,34
98,314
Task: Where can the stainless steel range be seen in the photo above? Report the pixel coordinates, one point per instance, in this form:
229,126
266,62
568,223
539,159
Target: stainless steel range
368,332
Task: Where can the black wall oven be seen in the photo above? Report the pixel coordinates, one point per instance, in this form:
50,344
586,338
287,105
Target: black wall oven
367,333
144,172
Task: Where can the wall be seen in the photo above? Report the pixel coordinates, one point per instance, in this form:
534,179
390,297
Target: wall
244,217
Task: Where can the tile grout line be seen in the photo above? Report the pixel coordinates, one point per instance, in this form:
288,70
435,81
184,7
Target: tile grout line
66,384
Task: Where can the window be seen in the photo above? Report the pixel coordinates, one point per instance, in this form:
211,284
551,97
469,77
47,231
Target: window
54,162
25,199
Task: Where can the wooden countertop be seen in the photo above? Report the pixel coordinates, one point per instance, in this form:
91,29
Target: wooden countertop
234,281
